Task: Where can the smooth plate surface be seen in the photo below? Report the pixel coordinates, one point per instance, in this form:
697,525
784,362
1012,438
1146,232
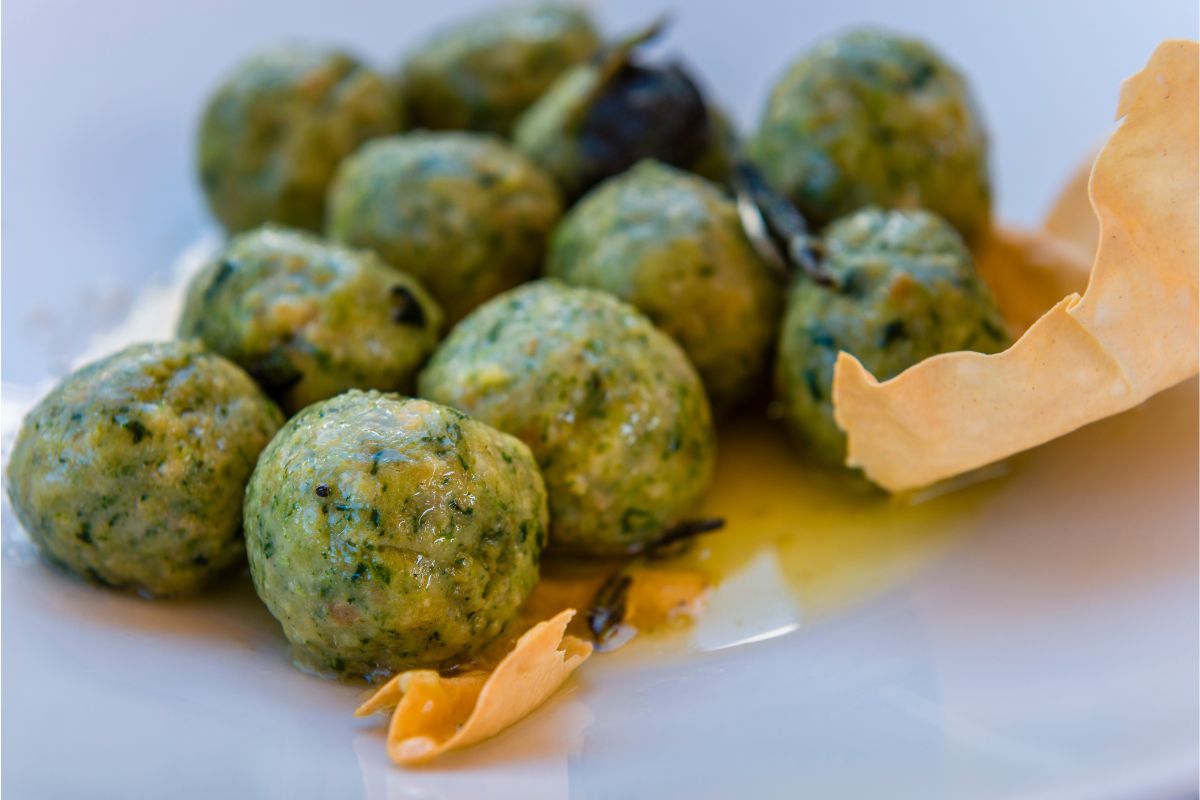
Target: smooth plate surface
1038,638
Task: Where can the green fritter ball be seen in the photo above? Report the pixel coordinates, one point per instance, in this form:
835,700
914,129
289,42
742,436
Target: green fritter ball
869,117
273,133
610,406
908,291
671,244
310,319
131,471
462,212
482,72
386,533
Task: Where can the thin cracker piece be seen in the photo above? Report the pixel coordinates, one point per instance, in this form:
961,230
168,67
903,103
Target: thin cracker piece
1029,271
435,714
1071,218
1131,335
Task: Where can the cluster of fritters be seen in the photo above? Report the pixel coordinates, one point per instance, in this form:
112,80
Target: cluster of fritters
491,306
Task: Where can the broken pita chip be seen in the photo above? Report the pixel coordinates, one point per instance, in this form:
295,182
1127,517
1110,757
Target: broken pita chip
1071,219
1029,271
435,714
1131,334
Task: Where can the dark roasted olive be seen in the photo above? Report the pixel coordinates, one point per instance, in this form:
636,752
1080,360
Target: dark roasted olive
600,118
645,112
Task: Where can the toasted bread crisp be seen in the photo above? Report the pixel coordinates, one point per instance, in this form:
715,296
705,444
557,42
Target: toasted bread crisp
1030,271
435,714
1131,335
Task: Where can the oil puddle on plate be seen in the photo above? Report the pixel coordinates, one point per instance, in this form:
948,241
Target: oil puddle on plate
802,542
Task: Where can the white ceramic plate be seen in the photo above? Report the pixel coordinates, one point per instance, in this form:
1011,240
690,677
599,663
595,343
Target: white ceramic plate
1046,646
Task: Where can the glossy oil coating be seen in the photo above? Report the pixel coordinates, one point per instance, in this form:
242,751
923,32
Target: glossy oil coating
871,118
131,472
908,291
463,213
671,244
610,406
274,131
387,532
308,319
482,72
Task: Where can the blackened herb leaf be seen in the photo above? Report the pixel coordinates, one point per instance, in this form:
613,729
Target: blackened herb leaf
607,611
777,229
676,539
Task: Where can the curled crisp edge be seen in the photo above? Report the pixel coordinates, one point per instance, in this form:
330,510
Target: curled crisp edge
435,714
1030,271
1131,334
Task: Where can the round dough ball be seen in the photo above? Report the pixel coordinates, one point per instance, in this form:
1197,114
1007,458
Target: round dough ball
610,406
386,533
131,471
868,117
462,212
481,73
274,131
672,244
309,319
909,291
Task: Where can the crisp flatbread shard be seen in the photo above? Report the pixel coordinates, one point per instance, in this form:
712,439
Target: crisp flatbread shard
1070,219
434,714
1028,271
1132,334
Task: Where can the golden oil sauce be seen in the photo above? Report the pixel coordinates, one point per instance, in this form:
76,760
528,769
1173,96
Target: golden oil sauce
801,541
833,539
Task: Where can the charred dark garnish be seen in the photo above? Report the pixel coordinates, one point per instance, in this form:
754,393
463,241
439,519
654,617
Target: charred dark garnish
607,612
675,540
777,229
639,111
608,607
407,309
